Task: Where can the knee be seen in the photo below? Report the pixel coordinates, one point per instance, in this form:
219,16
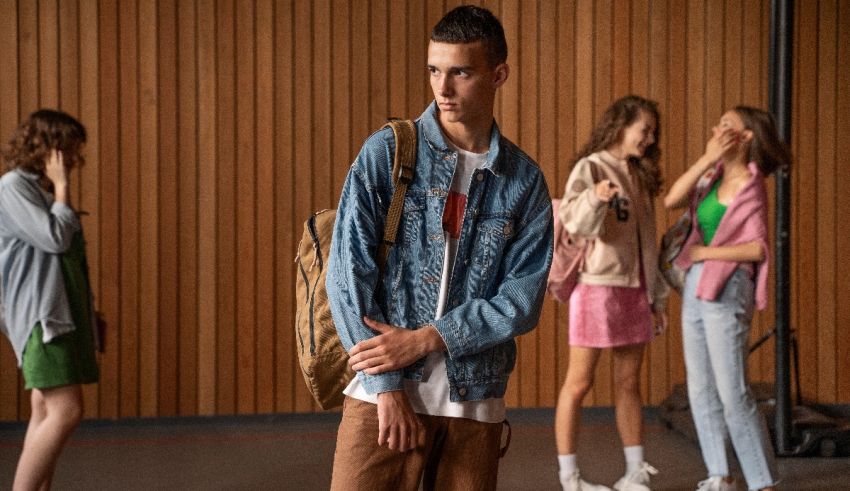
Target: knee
737,401
577,388
67,410
627,384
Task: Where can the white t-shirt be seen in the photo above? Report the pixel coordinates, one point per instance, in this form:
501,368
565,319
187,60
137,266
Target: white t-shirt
431,395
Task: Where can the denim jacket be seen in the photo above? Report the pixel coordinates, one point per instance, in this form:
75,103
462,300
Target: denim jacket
499,276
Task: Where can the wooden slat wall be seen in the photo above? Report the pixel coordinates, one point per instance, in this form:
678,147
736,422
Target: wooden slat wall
217,125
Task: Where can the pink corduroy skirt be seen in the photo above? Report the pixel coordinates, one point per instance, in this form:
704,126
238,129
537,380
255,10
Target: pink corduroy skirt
609,316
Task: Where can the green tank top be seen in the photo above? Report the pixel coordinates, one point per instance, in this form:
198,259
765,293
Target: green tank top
709,213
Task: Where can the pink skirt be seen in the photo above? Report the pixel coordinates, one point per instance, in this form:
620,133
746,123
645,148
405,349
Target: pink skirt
609,316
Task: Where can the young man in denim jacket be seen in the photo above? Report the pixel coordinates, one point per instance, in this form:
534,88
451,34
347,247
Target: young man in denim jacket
433,345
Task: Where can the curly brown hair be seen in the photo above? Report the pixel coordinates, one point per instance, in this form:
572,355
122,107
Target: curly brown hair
43,131
609,131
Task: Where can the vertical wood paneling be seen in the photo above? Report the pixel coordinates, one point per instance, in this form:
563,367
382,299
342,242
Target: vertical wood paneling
216,125
583,98
842,202
187,202
48,52
28,33
108,297
208,207
148,219
88,176
827,151
265,210
805,199
167,206
286,225
659,61
302,143
9,97
246,158
128,247
675,158
566,146
226,264
547,381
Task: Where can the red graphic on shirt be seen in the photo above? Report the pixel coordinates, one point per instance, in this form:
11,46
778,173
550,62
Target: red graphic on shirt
453,214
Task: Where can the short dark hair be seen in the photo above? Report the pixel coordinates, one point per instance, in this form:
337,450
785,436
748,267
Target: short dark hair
468,24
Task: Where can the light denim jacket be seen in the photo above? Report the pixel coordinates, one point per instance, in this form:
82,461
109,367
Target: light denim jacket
499,276
34,232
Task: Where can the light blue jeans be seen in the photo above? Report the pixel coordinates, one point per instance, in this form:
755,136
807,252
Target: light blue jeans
715,335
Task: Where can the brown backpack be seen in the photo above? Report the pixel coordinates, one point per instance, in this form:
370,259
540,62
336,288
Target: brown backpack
323,359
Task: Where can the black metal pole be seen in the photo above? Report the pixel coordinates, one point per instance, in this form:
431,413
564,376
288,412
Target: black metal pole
781,31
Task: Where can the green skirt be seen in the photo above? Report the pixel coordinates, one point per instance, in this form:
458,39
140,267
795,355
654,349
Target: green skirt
69,359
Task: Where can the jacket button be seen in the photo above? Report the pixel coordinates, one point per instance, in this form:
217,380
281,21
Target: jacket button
462,391
507,229
479,176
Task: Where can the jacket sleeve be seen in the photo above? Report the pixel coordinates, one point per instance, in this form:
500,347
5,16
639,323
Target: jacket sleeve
352,268
482,323
581,211
28,217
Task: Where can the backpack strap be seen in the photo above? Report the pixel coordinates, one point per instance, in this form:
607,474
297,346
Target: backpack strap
404,165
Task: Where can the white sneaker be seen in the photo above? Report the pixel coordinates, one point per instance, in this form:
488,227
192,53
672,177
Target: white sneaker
637,480
717,483
575,483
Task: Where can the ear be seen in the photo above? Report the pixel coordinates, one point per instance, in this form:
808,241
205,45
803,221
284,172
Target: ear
747,135
501,74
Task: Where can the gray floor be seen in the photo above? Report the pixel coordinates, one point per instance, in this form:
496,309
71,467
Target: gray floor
296,452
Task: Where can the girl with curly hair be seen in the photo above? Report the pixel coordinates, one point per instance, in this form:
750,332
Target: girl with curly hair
609,202
47,302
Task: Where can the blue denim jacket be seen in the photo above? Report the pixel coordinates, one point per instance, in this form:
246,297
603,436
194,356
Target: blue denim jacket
499,277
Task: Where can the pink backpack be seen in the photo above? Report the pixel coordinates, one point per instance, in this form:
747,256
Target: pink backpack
567,259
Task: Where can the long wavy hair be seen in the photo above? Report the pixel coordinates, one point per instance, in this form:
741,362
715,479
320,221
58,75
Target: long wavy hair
609,131
766,148
43,131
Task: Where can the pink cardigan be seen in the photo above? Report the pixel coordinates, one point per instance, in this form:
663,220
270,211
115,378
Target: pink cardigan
745,221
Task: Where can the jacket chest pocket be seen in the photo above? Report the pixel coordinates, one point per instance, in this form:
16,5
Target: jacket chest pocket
492,236
413,219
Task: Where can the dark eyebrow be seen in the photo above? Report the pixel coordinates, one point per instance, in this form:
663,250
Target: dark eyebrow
464,68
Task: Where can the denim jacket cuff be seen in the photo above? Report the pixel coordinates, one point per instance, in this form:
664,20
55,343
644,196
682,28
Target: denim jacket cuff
455,342
382,382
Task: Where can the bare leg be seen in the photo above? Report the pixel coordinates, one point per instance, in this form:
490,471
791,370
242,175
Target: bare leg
627,362
579,380
56,412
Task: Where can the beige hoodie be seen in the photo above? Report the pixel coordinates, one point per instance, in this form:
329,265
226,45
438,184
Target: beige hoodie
616,247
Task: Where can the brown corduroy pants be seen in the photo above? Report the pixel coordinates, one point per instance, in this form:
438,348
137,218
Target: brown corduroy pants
459,454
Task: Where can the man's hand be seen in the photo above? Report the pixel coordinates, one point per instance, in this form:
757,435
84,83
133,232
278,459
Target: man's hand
394,348
399,427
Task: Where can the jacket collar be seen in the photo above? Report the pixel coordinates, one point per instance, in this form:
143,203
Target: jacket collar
437,141
30,176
